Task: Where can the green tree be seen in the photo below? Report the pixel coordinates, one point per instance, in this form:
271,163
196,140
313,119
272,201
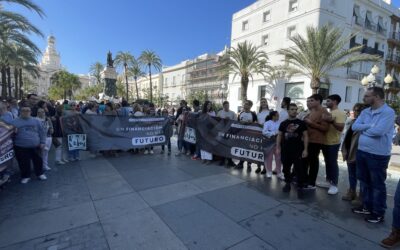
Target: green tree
89,91
95,71
65,83
135,71
150,59
125,60
320,51
245,61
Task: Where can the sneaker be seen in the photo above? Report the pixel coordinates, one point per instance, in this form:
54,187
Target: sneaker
65,161
178,154
258,170
42,177
280,176
264,171
286,188
151,152
60,162
324,184
25,180
146,152
361,210
195,157
188,153
46,168
333,190
392,240
269,174
248,168
309,187
374,218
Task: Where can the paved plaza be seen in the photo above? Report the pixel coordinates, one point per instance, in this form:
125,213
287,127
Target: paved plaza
167,202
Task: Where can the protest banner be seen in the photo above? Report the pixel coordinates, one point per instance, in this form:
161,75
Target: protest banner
112,132
230,139
6,145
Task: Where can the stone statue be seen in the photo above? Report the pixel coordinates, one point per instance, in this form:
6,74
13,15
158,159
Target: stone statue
110,61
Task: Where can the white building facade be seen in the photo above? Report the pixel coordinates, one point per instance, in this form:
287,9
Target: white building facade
270,24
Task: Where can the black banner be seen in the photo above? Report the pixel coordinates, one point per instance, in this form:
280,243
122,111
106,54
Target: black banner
228,138
6,145
113,132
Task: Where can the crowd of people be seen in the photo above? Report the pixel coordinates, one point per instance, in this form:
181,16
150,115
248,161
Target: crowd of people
364,137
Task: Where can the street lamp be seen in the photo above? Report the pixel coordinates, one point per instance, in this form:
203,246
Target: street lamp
370,80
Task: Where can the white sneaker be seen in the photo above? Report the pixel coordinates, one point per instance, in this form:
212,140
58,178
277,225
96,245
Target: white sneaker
25,180
42,177
60,162
269,174
65,161
46,168
333,190
146,152
280,176
151,152
323,184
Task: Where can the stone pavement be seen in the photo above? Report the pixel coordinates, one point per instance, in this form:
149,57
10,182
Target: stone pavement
167,202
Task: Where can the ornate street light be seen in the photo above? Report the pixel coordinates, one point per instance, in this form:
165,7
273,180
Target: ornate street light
370,80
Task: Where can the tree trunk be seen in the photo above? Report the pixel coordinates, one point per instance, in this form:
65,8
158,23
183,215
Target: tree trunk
137,90
8,69
126,82
315,85
244,84
151,84
21,83
3,82
16,71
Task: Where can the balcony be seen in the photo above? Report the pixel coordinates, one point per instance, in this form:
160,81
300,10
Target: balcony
394,37
393,60
355,75
366,49
370,26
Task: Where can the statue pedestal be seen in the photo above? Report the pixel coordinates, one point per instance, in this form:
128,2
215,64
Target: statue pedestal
109,76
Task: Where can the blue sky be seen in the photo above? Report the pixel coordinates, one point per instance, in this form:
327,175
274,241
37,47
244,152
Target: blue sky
175,29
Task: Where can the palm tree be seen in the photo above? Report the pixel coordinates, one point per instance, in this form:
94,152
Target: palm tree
95,71
150,58
322,50
125,59
245,61
136,72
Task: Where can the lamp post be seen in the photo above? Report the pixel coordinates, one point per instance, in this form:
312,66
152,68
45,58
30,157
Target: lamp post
370,80
387,82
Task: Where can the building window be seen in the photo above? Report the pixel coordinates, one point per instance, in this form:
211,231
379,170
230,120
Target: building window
293,5
245,25
265,40
173,81
348,94
262,91
267,16
291,31
324,90
294,90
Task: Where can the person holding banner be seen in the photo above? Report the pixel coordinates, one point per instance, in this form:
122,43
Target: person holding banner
208,111
261,116
164,113
246,117
270,130
227,114
73,154
30,139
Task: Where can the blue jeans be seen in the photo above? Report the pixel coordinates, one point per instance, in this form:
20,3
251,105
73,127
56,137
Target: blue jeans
396,208
352,170
371,171
330,153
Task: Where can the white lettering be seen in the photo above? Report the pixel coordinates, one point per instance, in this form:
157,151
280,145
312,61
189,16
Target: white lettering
142,141
248,154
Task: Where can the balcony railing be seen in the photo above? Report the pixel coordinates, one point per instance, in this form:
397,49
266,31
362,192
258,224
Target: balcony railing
370,26
393,58
395,36
366,49
355,75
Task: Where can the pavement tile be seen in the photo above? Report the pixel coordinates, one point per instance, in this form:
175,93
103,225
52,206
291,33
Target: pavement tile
97,168
196,169
239,202
285,227
200,226
86,237
160,195
14,230
119,205
112,185
140,230
214,182
142,179
253,243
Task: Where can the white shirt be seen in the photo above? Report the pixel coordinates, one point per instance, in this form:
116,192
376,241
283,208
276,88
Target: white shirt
227,114
283,115
262,115
271,128
246,117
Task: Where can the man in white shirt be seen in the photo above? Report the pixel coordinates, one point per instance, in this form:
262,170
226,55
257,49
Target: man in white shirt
226,113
